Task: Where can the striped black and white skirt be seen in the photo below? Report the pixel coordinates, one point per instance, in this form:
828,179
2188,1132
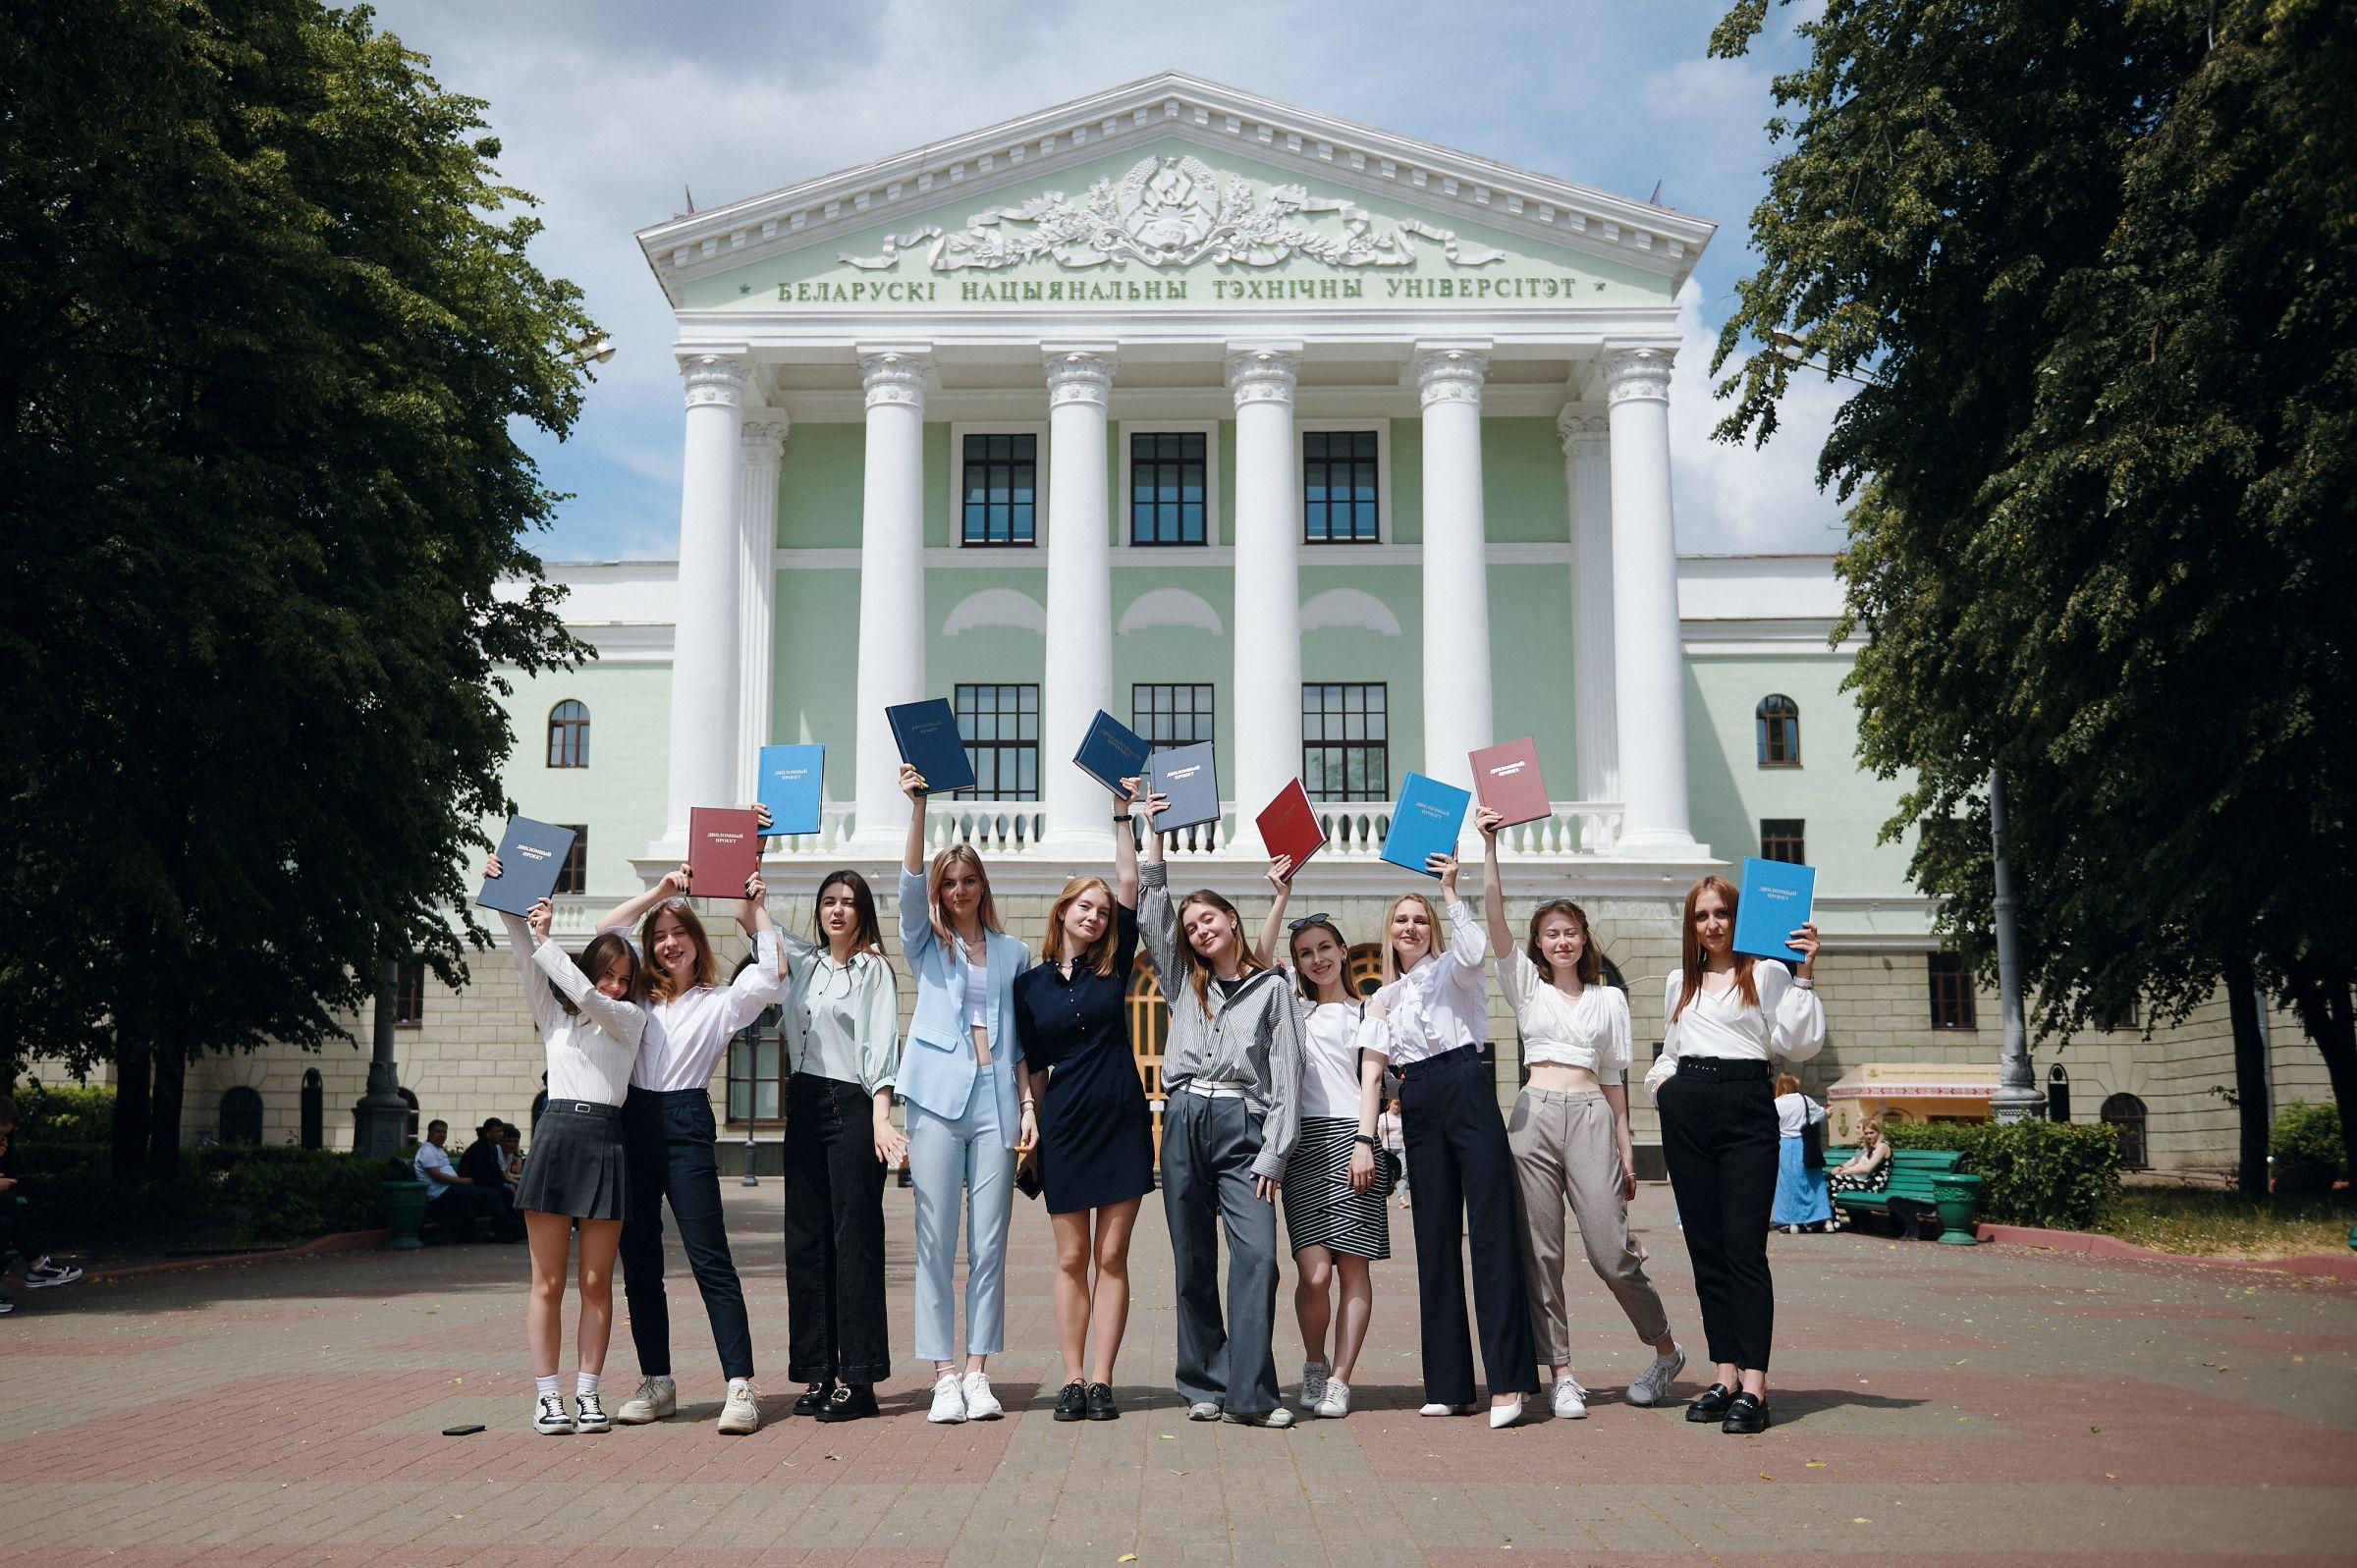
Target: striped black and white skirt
575,1165
1321,1209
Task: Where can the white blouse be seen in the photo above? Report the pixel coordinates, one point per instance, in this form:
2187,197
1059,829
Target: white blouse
1794,1112
1337,1032
1788,1022
590,1049
1591,1030
690,1032
978,986
1442,1003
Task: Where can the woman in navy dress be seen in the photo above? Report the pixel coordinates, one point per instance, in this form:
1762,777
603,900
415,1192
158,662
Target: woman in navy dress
1096,1137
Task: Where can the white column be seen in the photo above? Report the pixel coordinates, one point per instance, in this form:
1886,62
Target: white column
1588,476
703,662
757,584
1268,582
1079,676
892,586
1649,663
1457,570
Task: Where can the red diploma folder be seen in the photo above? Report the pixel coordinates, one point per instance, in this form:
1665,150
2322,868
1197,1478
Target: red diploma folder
1290,827
1506,779
724,847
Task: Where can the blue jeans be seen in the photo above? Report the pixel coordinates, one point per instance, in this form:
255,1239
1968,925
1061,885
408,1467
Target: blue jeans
1208,1146
950,1156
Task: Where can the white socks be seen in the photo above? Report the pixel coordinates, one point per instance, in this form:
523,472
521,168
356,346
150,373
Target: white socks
584,1382
547,1386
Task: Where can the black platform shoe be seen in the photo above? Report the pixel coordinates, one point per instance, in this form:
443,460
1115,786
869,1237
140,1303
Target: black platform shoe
1073,1403
1100,1403
811,1400
1746,1415
1711,1404
850,1402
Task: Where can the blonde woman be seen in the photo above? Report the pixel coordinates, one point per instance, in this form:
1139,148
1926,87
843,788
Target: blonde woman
970,1110
1868,1169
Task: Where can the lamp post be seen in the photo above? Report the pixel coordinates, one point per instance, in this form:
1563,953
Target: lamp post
381,1114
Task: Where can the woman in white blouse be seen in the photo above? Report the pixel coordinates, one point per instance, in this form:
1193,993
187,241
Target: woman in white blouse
1725,1013
1570,1131
1438,1022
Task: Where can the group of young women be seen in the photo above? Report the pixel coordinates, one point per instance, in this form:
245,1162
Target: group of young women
1020,1075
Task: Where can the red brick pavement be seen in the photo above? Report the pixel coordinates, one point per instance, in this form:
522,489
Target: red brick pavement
1995,1405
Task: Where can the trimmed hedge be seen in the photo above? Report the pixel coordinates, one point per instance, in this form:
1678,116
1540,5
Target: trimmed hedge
64,1114
2305,1144
248,1195
2055,1175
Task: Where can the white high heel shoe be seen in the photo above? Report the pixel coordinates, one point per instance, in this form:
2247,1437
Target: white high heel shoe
1504,1415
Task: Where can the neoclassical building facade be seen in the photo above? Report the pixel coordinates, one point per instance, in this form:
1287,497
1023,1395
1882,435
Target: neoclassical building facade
1246,424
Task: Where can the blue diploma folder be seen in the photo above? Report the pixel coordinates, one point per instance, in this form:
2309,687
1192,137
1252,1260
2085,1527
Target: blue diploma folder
1426,821
1773,901
532,856
793,782
927,735
1111,752
1190,775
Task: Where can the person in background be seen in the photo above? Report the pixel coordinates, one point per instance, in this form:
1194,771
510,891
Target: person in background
1801,1200
1868,1169
481,1163
1388,1128
511,1157
41,1271
449,1195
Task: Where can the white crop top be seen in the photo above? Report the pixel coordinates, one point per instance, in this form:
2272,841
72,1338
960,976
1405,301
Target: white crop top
1591,1030
978,986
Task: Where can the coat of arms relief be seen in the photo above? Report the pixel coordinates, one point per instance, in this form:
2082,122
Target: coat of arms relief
1172,211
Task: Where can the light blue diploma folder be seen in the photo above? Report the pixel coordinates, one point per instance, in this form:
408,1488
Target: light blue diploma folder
1426,823
792,783
1771,902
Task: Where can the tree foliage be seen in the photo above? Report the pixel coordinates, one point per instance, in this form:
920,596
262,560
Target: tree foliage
2096,263
272,334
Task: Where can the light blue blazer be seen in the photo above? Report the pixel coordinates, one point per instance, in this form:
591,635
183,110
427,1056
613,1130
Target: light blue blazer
937,1068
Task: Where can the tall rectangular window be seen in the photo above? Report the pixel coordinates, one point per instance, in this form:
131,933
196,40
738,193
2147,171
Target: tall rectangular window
1171,716
1951,991
1001,504
1345,741
1785,839
1167,470
757,1071
574,875
1001,726
1339,487
409,994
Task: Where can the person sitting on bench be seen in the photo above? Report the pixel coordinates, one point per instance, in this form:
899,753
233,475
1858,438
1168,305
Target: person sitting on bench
451,1196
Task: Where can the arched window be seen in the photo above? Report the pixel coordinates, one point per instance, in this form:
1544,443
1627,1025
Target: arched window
2124,1115
1149,1032
240,1116
1779,719
409,1127
314,1110
2057,1093
1364,967
568,735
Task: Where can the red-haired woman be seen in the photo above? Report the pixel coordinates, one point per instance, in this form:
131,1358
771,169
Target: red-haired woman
1724,1014
1096,1135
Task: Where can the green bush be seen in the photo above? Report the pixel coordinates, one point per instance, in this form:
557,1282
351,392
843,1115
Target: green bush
2057,1176
281,1193
2306,1146
64,1114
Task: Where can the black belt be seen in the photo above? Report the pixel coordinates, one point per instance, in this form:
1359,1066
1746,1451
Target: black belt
1726,1069
1460,1053
584,1108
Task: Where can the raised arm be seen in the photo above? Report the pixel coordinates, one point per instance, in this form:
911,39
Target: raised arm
537,998
1158,925
1281,873
1469,947
912,849
623,916
1124,844
623,1020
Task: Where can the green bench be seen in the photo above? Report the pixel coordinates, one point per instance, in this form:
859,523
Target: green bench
1906,1198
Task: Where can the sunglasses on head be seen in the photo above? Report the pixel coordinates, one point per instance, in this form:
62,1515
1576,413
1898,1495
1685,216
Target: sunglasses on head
1307,921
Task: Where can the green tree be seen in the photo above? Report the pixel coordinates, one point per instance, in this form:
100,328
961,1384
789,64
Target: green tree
2096,260
272,334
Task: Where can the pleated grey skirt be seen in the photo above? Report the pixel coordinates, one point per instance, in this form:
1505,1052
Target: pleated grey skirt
575,1165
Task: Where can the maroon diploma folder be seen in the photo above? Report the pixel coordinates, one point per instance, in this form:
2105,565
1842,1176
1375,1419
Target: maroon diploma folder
724,847
1290,827
1506,779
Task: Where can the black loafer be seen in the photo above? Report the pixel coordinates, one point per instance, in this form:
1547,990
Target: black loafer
813,1399
1100,1403
1073,1403
850,1402
1746,1415
1711,1404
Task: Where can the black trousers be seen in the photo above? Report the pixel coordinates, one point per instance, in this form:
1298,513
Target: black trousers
1719,1134
669,1139
1465,1185
17,1233
835,1312
463,1206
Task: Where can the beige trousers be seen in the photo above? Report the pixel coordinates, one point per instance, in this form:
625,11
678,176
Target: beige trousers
1566,1150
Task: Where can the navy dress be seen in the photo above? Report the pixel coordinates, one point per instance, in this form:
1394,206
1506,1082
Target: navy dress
1096,1136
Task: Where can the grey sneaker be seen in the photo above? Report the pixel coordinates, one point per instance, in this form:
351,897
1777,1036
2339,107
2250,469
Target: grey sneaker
1314,1382
1278,1417
657,1400
1653,1385
1202,1410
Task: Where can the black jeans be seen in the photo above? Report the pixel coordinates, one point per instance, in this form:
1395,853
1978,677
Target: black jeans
1464,1183
1719,1134
667,1137
15,1231
835,1311
463,1206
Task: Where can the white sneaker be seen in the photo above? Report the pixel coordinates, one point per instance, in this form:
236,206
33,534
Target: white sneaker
1654,1385
1570,1400
47,1274
1335,1403
1504,1415
548,1416
980,1403
1314,1382
1278,1418
590,1416
741,1412
1437,1409
1203,1410
949,1400
657,1400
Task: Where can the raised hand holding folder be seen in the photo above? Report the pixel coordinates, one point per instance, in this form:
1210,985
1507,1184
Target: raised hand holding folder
927,735
532,856
1112,751
1425,823
1188,776
793,787
724,849
1506,779
1290,826
1773,900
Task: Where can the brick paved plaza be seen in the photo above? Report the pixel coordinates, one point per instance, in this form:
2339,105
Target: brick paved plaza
1986,1405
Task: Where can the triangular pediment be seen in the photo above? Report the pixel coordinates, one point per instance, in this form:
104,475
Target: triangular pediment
1165,175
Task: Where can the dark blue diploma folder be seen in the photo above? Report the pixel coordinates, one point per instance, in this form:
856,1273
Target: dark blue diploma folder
927,735
1771,902
793,782
1426,823
1111,752
1188,776
532,856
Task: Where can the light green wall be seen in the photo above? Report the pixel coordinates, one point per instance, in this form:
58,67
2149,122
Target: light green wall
620,795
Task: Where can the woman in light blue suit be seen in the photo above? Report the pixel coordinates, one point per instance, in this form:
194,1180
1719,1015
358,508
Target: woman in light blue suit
969,1106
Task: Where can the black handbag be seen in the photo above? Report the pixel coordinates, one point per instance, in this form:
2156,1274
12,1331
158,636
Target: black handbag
1388,1172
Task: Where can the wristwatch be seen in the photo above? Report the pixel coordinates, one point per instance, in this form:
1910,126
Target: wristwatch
1367,1140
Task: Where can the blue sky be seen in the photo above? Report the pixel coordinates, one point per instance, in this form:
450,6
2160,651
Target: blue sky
609,110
